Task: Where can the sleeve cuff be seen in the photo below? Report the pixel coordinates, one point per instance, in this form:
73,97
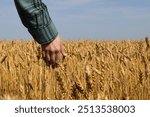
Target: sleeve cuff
45,34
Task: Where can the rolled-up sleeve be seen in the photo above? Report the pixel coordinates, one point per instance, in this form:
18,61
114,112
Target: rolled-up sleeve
35,17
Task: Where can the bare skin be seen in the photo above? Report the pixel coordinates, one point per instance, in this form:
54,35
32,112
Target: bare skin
51,52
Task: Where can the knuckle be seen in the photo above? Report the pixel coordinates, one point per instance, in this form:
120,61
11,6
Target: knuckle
57,50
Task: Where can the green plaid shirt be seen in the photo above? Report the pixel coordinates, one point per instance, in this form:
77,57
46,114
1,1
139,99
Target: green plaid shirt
35,17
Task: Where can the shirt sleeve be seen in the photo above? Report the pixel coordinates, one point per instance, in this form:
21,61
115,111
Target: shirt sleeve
35,17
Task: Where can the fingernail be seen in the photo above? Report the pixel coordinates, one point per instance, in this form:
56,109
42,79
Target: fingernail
65,54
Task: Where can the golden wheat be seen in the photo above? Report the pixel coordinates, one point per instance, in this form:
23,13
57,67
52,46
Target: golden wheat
92,70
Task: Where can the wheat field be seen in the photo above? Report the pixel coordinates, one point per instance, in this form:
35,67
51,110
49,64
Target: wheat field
93,70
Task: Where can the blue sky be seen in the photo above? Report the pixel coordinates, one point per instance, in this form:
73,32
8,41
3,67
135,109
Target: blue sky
85,19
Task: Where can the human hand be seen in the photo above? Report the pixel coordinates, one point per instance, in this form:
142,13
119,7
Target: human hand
51,52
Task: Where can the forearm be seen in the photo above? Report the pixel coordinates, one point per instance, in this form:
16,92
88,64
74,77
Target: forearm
35,17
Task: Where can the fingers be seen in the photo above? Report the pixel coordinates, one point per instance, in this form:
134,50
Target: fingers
63,50
52,57
43,54
48,58
57,57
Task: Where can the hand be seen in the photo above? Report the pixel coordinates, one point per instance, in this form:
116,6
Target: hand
51,52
